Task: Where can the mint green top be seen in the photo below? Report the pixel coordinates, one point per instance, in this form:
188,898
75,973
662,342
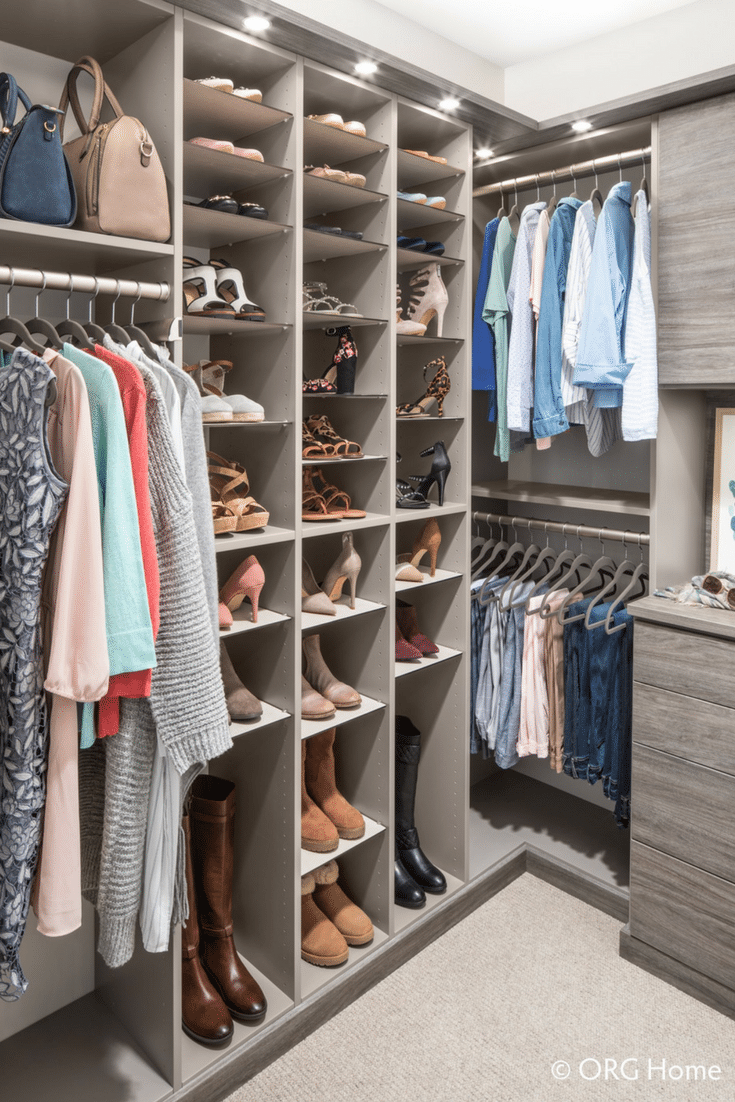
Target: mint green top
497,316
127,616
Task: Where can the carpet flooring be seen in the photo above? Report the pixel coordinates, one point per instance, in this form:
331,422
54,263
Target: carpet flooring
531,980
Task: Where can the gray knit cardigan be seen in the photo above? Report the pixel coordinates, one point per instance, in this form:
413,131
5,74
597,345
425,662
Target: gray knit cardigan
186,707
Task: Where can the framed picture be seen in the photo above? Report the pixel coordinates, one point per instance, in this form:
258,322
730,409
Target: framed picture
721,482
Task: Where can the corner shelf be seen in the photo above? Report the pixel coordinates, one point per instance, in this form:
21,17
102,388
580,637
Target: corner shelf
311,861
565,497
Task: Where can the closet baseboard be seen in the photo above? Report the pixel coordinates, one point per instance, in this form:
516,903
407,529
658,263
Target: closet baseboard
679,975
573,881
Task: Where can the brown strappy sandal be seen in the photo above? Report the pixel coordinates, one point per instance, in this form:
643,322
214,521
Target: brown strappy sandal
323,433
229,485
315,449
313,505
338,502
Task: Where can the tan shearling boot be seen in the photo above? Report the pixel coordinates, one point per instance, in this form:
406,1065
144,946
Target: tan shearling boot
321,941
321,785
318,833
352,922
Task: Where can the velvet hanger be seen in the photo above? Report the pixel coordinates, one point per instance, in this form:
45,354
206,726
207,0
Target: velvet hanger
639,576
72,329
501,212
596,194
602,567
490,546
136,333
580,561
41,327
112,329
551,205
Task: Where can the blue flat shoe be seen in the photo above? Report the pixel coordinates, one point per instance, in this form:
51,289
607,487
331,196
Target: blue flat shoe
411,243
434,247
412,196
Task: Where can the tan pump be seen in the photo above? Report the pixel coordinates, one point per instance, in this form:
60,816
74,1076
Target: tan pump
345,569
429,539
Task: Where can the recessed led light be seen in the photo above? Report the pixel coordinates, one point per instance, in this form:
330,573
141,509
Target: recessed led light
256,23
366,68
581,126
484,154
448,104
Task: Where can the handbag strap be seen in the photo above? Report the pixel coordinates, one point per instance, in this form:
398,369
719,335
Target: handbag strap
101,91
10,93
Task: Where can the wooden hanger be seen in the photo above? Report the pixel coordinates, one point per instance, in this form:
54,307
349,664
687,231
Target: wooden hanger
596,194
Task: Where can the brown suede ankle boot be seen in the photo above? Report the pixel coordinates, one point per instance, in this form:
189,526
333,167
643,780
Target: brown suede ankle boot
353,924
321,785
318,833
213,858
204,1016
321,941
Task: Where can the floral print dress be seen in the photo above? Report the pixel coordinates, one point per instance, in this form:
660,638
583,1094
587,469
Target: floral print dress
31,498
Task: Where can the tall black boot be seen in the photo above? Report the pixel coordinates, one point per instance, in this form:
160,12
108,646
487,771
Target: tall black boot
406,891
408,850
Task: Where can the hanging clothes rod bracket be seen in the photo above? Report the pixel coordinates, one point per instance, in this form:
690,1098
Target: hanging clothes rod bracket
571,172
582,531
94,285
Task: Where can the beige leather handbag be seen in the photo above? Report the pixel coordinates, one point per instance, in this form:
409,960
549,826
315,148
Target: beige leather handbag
121,188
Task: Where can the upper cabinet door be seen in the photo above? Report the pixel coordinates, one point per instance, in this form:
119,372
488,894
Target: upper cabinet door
696,244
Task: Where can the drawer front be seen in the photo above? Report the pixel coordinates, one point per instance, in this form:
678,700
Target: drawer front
693,729
685,662
683,912
684,810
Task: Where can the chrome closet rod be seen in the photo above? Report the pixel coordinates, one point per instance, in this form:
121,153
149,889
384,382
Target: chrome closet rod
571,172
582,531
95,285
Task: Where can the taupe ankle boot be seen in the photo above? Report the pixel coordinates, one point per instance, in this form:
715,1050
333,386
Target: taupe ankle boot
323,680
241,704
321,785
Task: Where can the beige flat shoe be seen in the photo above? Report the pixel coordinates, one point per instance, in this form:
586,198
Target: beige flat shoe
428,156
336,175
355,179
253,94
329,120
356,128
248,154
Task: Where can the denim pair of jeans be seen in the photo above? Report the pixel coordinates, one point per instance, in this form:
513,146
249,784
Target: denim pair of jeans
477,626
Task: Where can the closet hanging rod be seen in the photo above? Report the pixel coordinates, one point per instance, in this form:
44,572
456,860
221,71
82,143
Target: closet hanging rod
96,285
582,531
571,172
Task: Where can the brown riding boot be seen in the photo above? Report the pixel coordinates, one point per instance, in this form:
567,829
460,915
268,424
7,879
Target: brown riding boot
321,941
318,833
352,922
321,785
213,844
204,1016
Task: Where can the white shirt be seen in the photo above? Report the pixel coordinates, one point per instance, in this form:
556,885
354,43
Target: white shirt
521,349
640,389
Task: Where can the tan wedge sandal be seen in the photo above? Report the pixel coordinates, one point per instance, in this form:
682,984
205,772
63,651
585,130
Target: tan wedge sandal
230,488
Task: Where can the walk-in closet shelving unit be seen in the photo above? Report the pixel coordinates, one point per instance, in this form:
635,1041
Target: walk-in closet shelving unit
117,1034
531,804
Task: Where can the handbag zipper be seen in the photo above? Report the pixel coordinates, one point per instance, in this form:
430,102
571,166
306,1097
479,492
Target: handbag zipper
94,168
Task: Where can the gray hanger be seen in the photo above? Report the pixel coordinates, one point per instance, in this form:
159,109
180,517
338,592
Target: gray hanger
72,329
491,546
95,332
601,567
136,333
9,324
489,596
596,195
582,560
626,566
116,331
560,561
40,326
639,576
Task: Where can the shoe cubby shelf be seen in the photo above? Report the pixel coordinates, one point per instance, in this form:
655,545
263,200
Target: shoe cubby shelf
270,715
347,397
434,510
312,620
208,229
208,111
311,861
313,528
366,707
448,342
331,460
411,215
254,538
439,576
408,259
330,197
243,621
327,246
406,916
212,172
314,978
413,170
332,146
30,244
404,669
246,426
237,327
320,319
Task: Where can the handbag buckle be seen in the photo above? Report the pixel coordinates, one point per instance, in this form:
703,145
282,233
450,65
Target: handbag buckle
146,152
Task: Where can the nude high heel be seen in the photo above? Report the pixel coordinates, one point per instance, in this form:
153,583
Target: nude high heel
403,326
247,581
312,598
345,568
428,297
428,539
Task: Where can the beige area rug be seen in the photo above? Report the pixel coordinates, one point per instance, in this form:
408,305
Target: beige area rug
528,986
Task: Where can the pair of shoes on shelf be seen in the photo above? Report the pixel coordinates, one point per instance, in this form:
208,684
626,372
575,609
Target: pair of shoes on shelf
320,599
316,300
218,407
427,299
221,145
242,706
411,643
227,205
419,245
247,580
233,509
321,692
436,201
330,921
319,440
321,501
356,235
336,175
326,816
436,391
429,539
425,155
214,289
414,872
339,377
223,84
337,122
408,498
215,984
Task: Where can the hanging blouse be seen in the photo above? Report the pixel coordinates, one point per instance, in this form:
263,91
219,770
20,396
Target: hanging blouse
521,348
483,352
640,389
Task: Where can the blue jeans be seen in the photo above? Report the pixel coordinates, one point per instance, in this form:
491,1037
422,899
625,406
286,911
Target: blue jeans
477,626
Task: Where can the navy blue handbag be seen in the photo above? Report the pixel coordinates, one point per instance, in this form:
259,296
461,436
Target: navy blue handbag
36,184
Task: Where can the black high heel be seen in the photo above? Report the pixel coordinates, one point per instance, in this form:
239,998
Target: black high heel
344,361
440,468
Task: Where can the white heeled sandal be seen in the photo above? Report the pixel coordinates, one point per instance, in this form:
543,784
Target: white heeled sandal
231,288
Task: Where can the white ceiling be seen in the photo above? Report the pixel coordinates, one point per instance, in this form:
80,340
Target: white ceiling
518,30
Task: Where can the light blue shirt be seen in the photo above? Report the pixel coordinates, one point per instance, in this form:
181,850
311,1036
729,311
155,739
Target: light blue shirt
601,364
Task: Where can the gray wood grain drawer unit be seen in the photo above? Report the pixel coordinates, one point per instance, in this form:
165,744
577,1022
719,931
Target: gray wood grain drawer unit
696,304
683,912
684,726
684,810
700,666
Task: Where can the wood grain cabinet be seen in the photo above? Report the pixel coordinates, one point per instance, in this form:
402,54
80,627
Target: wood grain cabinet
682,881
696,261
